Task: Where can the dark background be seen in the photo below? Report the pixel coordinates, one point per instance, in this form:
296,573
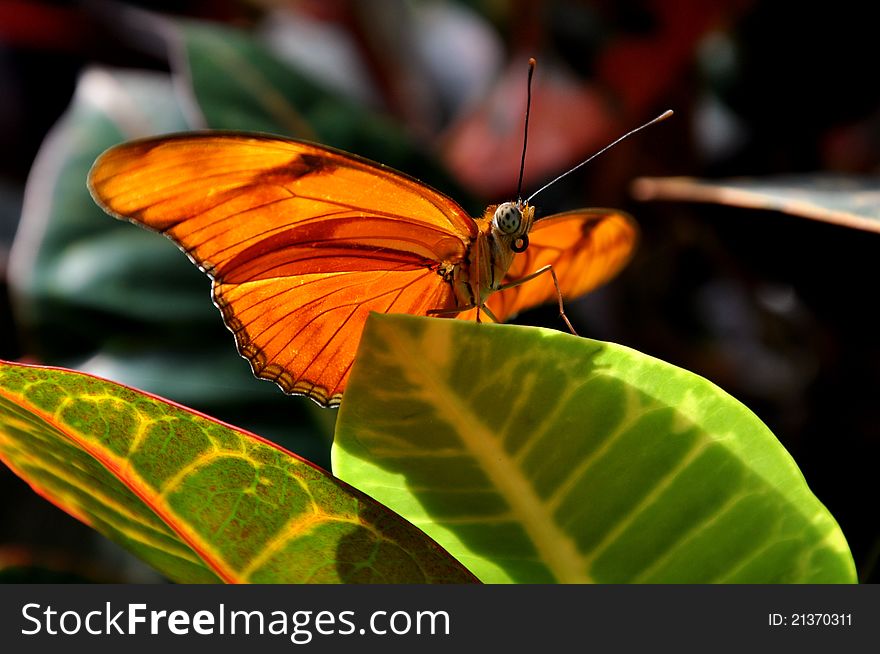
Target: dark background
778,310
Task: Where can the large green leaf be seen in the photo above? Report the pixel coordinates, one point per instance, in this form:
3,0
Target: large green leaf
197,499
850,200
69,261
537,456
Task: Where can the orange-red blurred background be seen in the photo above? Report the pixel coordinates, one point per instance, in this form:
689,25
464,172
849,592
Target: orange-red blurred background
777,310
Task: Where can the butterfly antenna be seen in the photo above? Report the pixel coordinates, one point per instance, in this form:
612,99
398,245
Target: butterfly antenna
666,114
522,161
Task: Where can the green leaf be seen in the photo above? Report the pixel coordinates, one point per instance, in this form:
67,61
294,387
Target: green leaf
197,499
239,84
537,456
69,260
79,276
847,200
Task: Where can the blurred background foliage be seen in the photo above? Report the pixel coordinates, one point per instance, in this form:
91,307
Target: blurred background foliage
775,309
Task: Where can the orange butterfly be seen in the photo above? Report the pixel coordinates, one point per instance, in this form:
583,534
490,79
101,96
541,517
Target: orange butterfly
302,241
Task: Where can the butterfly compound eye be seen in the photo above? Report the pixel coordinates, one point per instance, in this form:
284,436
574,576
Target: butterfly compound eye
507,218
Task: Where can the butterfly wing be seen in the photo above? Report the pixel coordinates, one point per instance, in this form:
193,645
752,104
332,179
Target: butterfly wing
586,247
301,242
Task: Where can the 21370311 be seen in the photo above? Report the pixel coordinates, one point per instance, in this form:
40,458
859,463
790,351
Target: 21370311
810,620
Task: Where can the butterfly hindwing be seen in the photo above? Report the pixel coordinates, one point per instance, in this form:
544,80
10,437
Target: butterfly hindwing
302,332
586,247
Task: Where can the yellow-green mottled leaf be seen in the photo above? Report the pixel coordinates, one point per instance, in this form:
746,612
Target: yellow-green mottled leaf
537,456
844,200
197,499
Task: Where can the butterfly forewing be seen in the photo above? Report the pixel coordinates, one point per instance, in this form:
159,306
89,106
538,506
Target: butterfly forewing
217,195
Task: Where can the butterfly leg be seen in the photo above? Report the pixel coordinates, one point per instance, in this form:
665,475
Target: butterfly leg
541,271
489,313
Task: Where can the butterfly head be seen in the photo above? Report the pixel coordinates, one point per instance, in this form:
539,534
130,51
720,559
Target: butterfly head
511,223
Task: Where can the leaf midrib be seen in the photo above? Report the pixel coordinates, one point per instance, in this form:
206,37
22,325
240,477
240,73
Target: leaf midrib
554,546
